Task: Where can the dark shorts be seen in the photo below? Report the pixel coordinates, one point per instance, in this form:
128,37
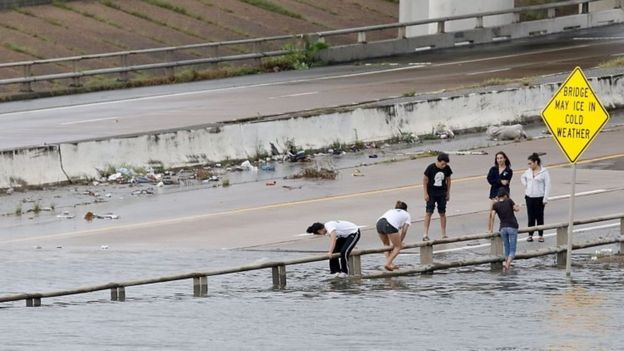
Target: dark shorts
383,227
440,200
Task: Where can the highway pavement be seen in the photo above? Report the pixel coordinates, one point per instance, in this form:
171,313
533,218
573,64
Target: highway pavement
275,218
110,113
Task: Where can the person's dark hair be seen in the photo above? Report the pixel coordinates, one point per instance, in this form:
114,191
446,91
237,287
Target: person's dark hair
315,227
502,192
507,162
535,158
401,205
443,157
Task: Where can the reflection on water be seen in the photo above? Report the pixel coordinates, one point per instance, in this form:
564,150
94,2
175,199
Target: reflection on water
534,308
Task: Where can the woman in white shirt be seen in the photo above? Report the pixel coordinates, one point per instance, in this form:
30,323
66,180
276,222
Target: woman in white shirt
343,237
536,181
392,228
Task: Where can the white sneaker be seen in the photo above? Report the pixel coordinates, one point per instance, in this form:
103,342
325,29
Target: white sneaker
336,275
343,275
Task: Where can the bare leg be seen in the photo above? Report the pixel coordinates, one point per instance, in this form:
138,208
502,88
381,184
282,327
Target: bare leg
426,222
386,242
395,238
443,224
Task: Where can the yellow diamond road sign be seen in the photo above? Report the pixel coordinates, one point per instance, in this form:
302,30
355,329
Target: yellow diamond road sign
574,115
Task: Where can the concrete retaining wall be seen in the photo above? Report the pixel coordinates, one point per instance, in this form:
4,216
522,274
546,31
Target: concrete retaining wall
372,122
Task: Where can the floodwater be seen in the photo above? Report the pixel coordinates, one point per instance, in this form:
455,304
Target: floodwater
533,308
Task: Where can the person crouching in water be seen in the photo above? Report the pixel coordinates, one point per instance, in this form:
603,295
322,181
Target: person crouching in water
505,207
392,228
343,237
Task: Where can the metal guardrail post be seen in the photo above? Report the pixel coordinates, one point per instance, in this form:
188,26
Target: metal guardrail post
402,33
479,22
113,292
562,239
496,249
355,265
622,235
170,71
584,8
27,86
123,60
440,27
551,13
361,37
75,80
200,286
426,254
279,277
121,293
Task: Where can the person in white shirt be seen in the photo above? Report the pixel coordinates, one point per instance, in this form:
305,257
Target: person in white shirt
536,182
392,228
343,238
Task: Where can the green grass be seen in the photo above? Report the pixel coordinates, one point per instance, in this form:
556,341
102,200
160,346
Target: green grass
272,7
21,50
616,62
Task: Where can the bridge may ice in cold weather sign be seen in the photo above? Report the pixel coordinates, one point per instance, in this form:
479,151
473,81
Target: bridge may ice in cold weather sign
574,115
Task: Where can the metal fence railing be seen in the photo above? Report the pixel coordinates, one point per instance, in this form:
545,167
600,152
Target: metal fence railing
427,263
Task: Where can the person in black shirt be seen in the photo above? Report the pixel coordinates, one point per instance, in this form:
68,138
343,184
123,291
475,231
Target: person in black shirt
437,189
499,175
505,207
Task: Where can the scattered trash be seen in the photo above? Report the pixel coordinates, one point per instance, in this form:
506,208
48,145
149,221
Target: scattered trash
442,131
89,216
267,167
107,216
10,191
463,153
65,215
104,247
357,173
316,173
141,180
160,184
274,150
115,177
513,132
96,183
246,165
373,156
108,195
148,191
37,247
59,246
298,156
290,187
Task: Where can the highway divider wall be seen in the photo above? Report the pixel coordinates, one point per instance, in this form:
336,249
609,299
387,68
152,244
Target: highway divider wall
244,139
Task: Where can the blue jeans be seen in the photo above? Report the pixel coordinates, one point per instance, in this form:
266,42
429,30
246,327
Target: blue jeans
510,239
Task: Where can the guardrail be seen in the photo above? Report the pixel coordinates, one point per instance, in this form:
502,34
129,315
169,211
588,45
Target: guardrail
256,52
427,265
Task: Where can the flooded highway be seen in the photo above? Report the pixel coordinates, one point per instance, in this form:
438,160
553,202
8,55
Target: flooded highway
533,308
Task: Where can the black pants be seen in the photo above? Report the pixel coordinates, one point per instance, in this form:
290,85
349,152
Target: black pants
535,212
344,245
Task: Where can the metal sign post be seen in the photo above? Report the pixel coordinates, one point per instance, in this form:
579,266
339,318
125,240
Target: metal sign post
574,117
571,222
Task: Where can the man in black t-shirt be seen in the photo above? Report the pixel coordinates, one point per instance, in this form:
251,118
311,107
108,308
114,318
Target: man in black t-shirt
437,189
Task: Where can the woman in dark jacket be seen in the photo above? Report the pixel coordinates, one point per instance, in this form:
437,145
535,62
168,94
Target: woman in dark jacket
500,174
